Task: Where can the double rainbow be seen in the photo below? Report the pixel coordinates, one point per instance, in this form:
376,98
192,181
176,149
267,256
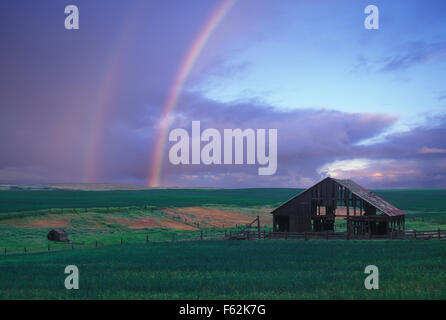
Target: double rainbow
172,99
109,85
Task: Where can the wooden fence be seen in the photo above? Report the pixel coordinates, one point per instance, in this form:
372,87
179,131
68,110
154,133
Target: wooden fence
248,235
425,234
331,235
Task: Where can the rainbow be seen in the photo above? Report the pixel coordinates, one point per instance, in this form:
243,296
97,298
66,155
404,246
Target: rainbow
106,93
183,72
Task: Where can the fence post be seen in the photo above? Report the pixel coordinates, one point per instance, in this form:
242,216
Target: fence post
147,238
201,234
25,249
258,226
264,234
306,236
415,234
439,234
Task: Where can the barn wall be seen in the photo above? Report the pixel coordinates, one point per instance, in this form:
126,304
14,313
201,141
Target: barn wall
301,208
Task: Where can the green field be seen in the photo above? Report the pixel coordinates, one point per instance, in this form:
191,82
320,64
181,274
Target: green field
17,201
271,269
169,267
425,202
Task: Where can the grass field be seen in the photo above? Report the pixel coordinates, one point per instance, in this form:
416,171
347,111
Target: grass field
425,202
17,201
278,269
168,268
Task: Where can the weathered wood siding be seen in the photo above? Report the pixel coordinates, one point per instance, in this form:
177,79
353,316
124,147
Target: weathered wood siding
301,208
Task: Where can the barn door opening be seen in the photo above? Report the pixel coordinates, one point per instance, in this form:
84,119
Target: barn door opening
283,223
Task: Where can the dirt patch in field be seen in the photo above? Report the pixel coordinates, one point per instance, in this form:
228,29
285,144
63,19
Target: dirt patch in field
176,225
43,222
93,224
142,223
216,217
151,223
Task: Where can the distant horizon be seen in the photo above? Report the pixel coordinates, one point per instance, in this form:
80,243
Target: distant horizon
142,187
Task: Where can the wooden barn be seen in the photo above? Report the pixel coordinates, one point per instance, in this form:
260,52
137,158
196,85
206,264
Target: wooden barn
315,210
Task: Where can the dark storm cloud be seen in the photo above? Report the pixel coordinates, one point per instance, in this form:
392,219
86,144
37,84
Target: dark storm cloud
415,158
310,139
306,139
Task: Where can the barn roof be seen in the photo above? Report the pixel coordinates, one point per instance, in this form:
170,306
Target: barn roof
362,193
366,195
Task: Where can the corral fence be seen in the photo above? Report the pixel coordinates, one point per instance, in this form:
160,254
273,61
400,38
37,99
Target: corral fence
331,235
425,234
246,235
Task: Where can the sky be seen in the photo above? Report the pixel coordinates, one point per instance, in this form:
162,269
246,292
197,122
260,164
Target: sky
96,104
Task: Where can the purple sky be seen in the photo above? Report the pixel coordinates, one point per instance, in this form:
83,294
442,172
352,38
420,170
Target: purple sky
85,105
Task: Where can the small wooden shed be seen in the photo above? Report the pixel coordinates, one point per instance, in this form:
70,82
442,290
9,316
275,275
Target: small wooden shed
59,235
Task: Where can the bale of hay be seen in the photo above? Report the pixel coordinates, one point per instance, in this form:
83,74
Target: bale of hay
59,235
